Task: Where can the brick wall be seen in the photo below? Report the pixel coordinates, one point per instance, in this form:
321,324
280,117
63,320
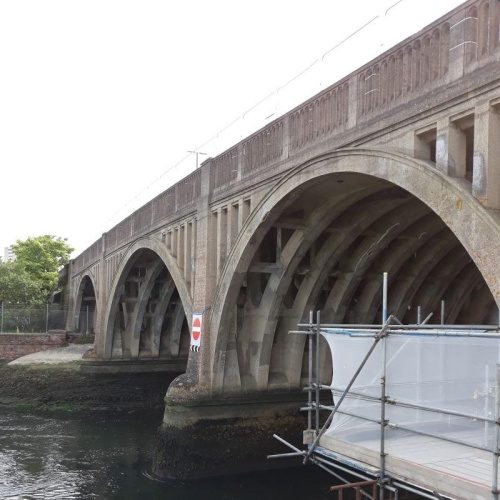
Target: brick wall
15,345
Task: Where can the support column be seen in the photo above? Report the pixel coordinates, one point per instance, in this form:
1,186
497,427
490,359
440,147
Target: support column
232,211
101,299
196,381
451,146
192,262
187,253
486,162
221,236
204,432
180,246
352,106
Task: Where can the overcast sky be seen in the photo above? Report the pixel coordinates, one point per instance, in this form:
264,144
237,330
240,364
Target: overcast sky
101,100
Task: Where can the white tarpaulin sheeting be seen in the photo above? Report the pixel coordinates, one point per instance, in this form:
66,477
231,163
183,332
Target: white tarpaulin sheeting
457,374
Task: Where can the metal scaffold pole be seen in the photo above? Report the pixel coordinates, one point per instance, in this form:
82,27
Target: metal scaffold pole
496,439
309,398
318,323
379,336
383,421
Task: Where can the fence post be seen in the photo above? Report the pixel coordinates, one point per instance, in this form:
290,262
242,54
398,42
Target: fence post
47,319
1,319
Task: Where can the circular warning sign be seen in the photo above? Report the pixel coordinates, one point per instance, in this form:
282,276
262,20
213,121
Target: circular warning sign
196,329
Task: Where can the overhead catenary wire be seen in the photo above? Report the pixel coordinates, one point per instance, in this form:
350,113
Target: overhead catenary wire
244,113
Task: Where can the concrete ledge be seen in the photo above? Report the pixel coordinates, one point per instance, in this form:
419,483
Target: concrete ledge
177,365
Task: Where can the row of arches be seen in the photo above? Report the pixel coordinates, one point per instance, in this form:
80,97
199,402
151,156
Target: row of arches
145,316
320,240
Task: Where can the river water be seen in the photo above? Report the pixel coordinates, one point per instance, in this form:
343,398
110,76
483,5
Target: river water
108,456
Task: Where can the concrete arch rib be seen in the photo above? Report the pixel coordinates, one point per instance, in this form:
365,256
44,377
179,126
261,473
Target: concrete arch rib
127,261
360,260
159,315
415,273
367,306
476,228
134,327
258,331
432,290
344,233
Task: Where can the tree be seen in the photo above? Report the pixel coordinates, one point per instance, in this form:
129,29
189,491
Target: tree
42,257
17,286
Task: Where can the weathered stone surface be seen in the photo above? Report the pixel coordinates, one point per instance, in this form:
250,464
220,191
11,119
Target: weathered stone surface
392,169
210,438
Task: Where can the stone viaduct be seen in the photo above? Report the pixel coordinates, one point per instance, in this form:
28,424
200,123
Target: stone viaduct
394,168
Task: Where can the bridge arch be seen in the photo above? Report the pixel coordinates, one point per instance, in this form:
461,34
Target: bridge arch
86,313
321,238
148,305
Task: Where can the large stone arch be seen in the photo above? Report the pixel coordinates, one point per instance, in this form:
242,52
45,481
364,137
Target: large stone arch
476,229
176,282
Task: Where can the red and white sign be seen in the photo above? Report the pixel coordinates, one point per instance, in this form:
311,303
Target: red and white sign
196,332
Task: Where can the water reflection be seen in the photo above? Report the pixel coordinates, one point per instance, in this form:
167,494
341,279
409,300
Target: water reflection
103,456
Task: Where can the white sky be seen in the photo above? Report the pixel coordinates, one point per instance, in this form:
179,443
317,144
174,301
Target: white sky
100,100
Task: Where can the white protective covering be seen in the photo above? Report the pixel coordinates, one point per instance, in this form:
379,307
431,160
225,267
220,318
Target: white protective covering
448,373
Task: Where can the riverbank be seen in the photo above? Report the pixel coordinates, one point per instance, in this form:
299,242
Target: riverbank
63,387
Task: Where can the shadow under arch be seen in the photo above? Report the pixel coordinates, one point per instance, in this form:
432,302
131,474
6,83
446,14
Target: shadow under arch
475,228
175,283
85,308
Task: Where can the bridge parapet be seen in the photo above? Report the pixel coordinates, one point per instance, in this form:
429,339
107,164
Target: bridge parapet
327,114
445,51
164,205
188,190
264,147
225,168
417,65
89,256
453,46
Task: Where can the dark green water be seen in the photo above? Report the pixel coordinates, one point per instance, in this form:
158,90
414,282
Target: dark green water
103,456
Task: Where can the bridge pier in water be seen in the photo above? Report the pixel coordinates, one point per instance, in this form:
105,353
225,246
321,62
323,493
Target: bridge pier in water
206,436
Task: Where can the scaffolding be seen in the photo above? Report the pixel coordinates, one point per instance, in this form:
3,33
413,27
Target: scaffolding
416,408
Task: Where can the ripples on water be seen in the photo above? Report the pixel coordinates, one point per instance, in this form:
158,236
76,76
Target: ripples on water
89,456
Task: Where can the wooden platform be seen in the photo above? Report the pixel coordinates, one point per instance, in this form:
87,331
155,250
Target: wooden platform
452,470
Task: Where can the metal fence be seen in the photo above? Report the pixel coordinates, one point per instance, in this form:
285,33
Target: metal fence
15,318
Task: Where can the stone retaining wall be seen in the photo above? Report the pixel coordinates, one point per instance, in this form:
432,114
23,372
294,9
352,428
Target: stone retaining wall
15,345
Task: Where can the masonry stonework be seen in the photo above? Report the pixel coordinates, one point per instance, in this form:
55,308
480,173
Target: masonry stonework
392,169
15,345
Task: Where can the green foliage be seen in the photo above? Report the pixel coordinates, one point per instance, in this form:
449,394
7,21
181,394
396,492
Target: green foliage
17,285
41,257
